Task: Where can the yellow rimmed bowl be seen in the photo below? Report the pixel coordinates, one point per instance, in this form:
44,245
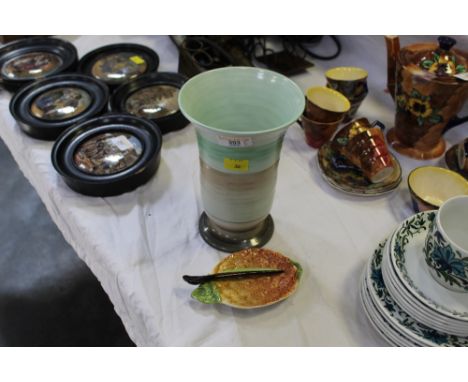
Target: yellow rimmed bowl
431,186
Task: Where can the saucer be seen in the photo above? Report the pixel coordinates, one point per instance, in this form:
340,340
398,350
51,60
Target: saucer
451,161
378,322
399,320
414,307
407,259
351,180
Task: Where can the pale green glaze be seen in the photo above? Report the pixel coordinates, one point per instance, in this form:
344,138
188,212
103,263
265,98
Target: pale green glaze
241,100
260,157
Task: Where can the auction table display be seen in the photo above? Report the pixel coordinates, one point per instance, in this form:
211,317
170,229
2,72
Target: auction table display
139,244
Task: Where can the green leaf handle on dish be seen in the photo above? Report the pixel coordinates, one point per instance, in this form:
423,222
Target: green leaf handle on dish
208,293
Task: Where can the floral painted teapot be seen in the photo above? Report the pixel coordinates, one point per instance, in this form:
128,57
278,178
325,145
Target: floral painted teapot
425,80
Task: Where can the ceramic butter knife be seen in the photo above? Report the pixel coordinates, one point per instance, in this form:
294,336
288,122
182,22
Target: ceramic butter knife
237,274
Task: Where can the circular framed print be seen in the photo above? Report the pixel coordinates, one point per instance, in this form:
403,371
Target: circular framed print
45,108
108,155
153,96
24,61
117,63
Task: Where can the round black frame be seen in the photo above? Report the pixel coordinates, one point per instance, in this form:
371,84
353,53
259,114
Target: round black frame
168,123
20,104
64,49
149,55
117,183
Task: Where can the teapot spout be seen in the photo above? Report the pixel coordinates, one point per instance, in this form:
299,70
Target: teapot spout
393,49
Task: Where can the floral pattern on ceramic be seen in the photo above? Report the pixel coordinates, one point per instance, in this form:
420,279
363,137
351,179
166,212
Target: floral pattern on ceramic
447,265
420,107
402,319
418,224
426,101
442,63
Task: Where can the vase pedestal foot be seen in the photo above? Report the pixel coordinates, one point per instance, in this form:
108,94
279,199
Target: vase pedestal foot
413,152
231,241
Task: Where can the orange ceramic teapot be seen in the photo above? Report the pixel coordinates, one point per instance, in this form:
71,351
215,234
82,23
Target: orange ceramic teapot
425,83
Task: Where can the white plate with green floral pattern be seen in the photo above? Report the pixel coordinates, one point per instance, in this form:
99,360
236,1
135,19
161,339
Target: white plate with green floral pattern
381,326
400,320
407,259
413,306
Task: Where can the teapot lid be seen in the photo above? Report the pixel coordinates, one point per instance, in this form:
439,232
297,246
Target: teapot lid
443,61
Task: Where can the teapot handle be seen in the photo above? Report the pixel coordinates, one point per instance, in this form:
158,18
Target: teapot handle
455,121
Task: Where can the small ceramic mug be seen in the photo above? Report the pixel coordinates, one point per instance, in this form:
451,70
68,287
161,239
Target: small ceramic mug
462,155
446,247
325,105
363,144
318,133
352,83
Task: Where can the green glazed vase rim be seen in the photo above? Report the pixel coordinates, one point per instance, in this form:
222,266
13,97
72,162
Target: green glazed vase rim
235,69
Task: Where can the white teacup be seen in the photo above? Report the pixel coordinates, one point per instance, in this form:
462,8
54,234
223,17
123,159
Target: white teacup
446,246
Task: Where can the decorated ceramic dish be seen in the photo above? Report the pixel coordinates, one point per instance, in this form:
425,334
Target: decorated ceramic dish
252,292
45,108
153,96
117,63
108,155
24,61
420,312
343,176
407,259
398,320
451,159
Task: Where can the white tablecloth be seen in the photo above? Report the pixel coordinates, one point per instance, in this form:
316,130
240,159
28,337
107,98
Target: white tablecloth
140,244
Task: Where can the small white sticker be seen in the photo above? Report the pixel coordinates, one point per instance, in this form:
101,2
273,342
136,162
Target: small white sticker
235,141
462,76
121,142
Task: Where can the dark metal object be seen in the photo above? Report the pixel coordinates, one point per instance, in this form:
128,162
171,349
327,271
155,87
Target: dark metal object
149,56
235,241
168,123
195,280
198,54
284,62
20,104
146,132
64,50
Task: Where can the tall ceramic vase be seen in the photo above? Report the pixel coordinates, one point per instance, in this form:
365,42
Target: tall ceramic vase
241,115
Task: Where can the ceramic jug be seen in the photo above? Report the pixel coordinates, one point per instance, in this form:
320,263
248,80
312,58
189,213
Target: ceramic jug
423,79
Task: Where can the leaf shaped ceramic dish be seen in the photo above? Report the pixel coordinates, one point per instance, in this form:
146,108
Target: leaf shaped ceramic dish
251,292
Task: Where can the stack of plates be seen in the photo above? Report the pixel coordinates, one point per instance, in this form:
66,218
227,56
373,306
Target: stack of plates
403,301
